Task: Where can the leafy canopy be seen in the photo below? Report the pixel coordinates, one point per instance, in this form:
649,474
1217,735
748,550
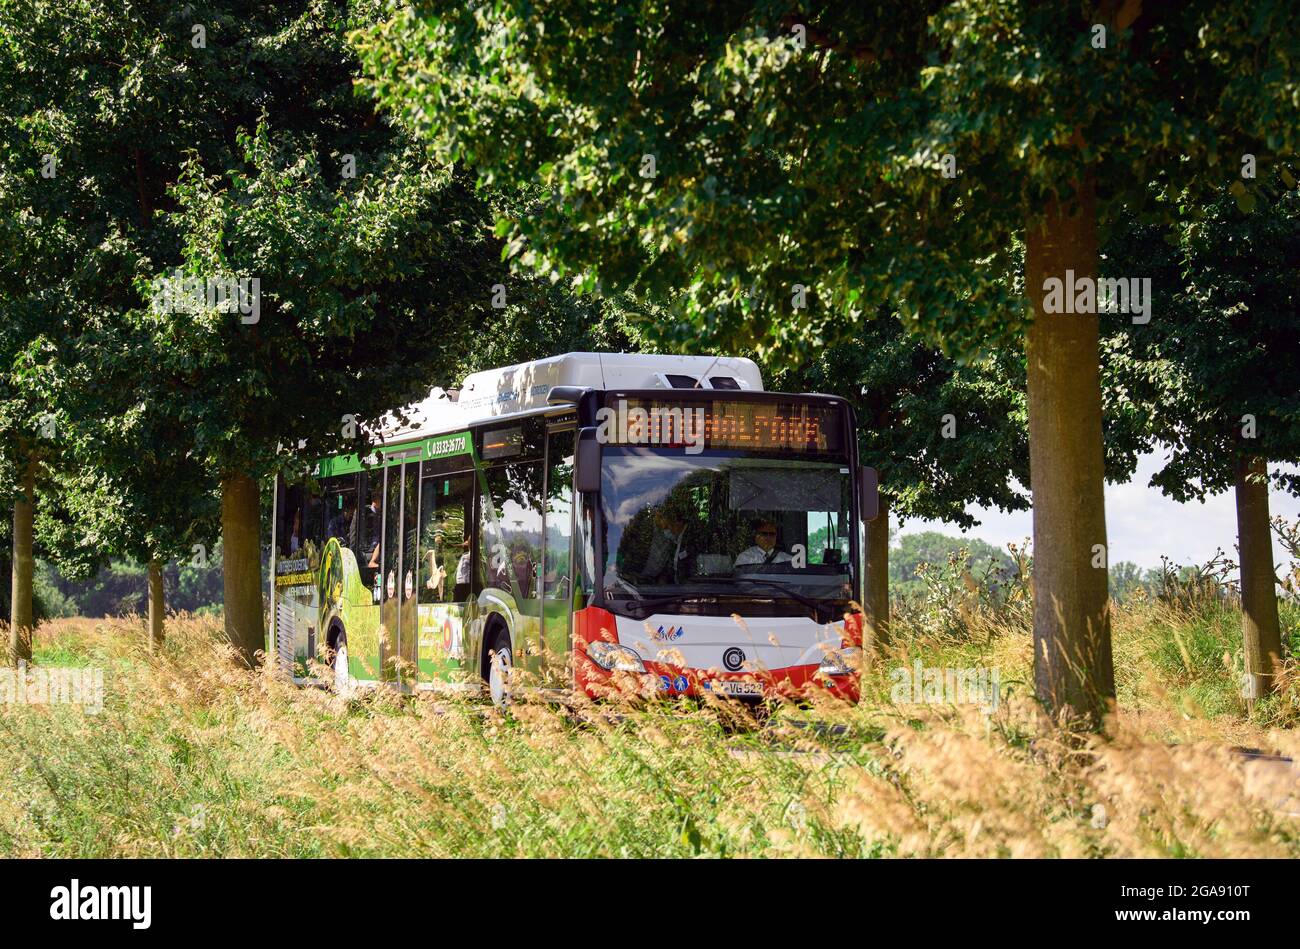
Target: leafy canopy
723,155
1222,356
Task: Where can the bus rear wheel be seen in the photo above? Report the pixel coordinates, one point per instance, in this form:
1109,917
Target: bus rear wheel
339,663
500,665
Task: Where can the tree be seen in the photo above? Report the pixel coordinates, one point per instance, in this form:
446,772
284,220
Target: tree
208,145
1225,400
789,169
122,587
127,482
42,260
68,271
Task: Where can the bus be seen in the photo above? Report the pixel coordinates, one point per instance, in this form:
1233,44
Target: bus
586,524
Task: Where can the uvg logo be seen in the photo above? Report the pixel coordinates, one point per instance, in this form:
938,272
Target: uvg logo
669,635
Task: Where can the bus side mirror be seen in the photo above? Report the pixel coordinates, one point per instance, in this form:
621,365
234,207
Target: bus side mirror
586,461
869,498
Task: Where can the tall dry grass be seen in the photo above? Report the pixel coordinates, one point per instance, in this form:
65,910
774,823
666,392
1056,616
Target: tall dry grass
192,757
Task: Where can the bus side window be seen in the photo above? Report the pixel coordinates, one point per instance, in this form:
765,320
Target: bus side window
367,524
510,529
558,527
445,564
289,530
313,521
584,549
340,507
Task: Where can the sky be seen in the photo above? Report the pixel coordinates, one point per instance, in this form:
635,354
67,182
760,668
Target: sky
1141,523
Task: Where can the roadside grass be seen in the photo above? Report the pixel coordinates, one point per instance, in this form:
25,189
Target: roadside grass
190,756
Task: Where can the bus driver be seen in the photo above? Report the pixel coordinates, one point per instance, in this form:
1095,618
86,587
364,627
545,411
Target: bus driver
764,550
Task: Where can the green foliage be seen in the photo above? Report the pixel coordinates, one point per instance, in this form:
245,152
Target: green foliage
980,559
1196,652
957,588
1190,649
543,319
231,158
1217,364
358,291
119,112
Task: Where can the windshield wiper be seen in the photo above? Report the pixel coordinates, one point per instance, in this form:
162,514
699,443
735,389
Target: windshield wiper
815,605
644,607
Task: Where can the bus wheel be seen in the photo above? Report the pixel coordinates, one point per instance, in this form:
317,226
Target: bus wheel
499,668
342,672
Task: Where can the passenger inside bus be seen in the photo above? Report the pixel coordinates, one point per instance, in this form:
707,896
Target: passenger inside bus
765,549
290,521
435,552
341,522
295,534
370,531
667,557
660,544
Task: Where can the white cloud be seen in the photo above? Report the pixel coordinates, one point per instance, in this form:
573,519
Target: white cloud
1141,523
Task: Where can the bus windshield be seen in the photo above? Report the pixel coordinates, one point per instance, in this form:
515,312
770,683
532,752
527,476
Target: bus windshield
704,533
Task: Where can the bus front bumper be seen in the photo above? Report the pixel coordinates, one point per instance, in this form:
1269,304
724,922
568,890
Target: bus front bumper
604,668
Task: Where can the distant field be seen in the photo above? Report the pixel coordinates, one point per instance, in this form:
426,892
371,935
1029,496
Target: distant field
191,757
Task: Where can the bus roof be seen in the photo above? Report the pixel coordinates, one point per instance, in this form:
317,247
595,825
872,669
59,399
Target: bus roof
520,389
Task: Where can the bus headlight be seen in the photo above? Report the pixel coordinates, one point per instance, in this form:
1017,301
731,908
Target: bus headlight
841,662
614,657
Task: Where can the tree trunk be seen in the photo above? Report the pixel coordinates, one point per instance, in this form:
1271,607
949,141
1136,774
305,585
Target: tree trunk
20,619
875,570
242,565
1074,674
155,605
1260,631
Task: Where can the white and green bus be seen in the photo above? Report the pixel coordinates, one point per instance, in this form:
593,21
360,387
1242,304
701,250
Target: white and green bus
584,523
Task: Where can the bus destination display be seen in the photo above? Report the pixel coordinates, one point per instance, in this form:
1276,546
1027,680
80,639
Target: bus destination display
729,424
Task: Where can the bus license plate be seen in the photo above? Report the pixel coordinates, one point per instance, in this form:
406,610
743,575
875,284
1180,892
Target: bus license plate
732,687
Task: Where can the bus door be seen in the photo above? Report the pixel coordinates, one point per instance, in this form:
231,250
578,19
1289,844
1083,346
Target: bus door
558,603
397,612
445,569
